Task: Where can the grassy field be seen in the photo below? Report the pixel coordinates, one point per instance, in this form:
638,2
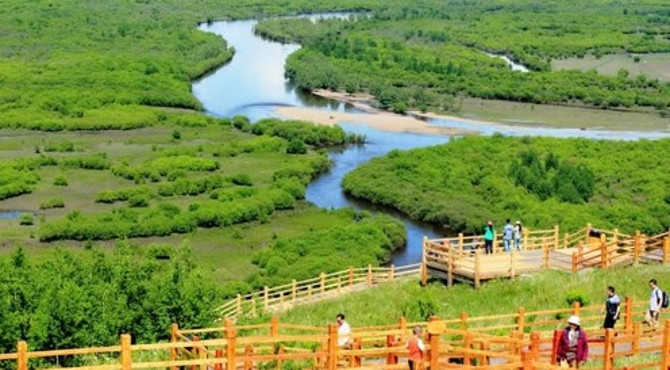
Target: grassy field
526,114
386,303
653,66
225,251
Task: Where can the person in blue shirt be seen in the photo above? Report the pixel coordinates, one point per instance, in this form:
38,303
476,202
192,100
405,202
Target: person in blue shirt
508,235
612,308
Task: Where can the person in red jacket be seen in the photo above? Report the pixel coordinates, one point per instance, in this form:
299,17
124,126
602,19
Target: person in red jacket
416,349
573,346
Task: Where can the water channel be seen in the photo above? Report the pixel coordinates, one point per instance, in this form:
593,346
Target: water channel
253,84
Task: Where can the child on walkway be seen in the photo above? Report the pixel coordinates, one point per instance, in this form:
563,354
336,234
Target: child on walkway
416,349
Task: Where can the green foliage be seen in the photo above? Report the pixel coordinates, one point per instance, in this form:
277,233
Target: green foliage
60,180
577,295
368,241
295,146
305,132
576,181
176,134
418,55
61,147
112,196
81,300
26,219
53,203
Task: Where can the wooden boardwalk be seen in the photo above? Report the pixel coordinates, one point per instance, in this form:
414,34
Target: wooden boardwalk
463,259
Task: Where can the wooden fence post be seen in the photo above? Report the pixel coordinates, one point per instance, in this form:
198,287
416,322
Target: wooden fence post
527,360
666,250
565,240
637,247
355,361
274,326
392,272
573,268
545,257
126,352
391,358
628,315
525,238
556,237
521,319
402,323
588,232
556,339
231,338
294,290
174,330
665,348
496,247
535,345
464,321
608,351
615,236
467,344
460,245
450,268
424,267
266,296
332,347
637,332
248,352
512,269
239,305
369,276
195,353
218,354
434,351
323,282
202,356
351,276
576,308
22,355
477,268
603,254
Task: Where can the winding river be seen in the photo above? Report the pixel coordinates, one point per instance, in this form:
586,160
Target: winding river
253,84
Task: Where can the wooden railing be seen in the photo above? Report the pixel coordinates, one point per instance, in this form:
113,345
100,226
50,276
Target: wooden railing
517,340
462,257
323,287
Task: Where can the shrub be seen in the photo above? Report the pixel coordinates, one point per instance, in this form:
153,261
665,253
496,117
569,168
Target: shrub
52,203
241,179
296,146
60,180
176,135
26,219
577,295
138,200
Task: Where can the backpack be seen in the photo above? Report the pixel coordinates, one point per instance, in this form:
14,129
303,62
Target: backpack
664,299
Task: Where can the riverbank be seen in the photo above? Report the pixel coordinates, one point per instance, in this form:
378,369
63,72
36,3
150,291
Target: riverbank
475,112
369,116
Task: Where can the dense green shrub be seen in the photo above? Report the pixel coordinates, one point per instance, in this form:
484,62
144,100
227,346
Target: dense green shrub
52,203
305,132
60,180
295,146
368,241
93,162
26,219
460,185
112,196
241,179
63,147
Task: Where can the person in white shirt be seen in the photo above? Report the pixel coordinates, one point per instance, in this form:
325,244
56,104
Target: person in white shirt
655,301
343,331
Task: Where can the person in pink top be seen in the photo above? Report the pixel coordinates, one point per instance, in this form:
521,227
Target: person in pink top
573,347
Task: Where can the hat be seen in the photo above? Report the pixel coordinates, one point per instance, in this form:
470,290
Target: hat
573,320
518,222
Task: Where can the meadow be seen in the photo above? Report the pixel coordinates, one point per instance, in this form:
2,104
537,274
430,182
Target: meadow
655,66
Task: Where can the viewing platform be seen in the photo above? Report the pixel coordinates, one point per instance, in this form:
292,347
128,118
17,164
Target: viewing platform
463,258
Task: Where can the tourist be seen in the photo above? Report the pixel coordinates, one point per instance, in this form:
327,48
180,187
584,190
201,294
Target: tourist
573,348
343,331
612,308
518,233
655,301
489,234
508,234
416,349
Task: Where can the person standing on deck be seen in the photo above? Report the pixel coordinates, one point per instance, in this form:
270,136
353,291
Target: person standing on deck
508,234
416,349
518,233
655,302
489,235
612,308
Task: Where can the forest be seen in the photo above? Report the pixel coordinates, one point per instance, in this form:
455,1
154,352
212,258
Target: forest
540,181
422,56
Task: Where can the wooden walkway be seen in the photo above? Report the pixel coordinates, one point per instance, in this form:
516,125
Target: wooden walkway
463,259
